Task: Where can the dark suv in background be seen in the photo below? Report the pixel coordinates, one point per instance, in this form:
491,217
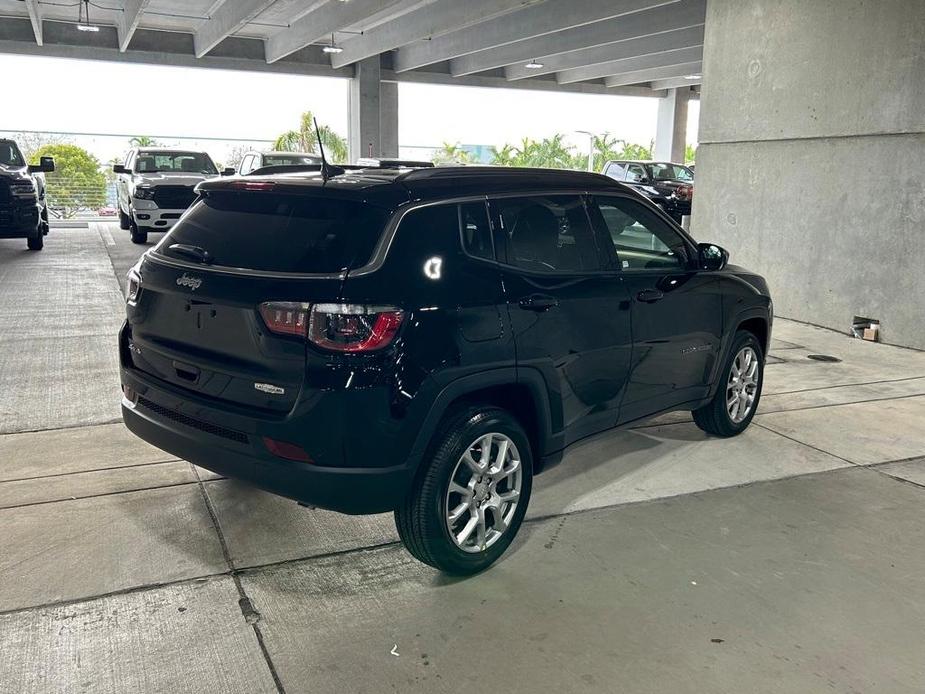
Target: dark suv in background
670,186
23,205
424,341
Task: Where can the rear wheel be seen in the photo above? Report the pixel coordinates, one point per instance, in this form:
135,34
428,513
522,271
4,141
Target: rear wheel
732,408
138,236
469,500
37,242
125,222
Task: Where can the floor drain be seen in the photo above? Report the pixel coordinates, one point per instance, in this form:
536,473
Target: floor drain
823,357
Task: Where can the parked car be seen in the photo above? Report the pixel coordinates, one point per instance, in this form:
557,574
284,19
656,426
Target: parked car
106,212
670,186
23,206
257,160
424,341
156,185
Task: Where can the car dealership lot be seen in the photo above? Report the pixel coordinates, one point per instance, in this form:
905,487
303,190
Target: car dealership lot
789,557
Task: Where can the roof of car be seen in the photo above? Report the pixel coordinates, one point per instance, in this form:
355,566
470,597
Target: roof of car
273,152
643,161
392,187
155,150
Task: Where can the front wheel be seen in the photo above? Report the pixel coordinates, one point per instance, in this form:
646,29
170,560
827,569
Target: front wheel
125,222
732,408
138,236
469,499
37,242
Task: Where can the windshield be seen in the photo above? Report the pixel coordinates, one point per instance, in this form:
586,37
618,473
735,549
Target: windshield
179,162
9,154
279,233
290,159
671,172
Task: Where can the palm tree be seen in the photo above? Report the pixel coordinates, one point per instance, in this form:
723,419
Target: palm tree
143,141
451,154
305,140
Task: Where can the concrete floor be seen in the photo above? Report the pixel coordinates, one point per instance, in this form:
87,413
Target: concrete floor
789,559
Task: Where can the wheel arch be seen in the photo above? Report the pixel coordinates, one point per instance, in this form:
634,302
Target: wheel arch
521,392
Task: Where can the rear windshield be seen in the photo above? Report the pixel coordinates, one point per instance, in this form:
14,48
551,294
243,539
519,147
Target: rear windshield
279,233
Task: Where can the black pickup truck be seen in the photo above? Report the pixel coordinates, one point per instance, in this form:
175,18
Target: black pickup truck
670,186
23,208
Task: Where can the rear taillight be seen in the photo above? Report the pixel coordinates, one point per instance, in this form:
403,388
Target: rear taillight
286,317
352,327
337,327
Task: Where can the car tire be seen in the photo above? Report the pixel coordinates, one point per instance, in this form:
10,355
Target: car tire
736,400
424,518
37,242
138,236
125,222
43,222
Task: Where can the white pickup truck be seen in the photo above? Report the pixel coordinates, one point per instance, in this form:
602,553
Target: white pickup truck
156,185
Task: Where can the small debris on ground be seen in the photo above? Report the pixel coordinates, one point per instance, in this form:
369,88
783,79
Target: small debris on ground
394,650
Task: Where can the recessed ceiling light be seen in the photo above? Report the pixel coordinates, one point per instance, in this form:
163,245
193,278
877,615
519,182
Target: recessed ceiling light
693,77
534,65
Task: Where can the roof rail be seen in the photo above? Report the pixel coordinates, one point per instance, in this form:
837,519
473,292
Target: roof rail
513,171
379,163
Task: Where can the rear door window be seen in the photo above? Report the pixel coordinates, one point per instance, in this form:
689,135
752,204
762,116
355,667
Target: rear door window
279,233
475,230
549,234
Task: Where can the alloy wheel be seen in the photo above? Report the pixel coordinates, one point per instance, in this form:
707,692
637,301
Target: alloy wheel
483,492
742,385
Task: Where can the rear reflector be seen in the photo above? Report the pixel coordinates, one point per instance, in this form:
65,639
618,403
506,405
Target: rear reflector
289,451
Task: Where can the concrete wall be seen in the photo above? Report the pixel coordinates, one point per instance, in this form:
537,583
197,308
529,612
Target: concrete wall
811,164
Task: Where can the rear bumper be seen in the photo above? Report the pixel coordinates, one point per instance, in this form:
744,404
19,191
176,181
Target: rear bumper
347,490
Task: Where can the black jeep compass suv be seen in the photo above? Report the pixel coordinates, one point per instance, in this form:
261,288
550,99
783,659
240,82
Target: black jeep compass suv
425,341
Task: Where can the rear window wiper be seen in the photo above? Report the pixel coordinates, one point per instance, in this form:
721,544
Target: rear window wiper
200,255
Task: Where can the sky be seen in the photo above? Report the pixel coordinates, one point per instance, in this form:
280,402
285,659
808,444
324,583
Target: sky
121,99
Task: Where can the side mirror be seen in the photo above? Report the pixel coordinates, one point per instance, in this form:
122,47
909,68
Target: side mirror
711,257
228,171
120,169
45,165
642,179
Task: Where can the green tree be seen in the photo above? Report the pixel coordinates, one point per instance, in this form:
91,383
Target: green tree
690,154
30,143
143,141
548,153
76,183
451,154
305,140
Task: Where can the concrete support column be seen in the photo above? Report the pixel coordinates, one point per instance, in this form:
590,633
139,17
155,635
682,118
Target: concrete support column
364,135
793,115
671,133
388,119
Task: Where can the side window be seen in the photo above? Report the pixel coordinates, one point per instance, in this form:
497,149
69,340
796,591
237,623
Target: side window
634,172
616,171
547,234
641,240
475,230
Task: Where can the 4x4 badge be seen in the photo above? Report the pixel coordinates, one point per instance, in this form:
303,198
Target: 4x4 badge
192,282
269,388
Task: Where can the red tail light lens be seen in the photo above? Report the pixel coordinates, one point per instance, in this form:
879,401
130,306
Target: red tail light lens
353,328
285,317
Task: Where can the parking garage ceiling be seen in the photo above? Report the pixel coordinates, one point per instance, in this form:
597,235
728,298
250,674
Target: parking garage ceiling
637,47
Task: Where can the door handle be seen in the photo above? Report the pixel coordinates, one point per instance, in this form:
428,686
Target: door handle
649,296
538,302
